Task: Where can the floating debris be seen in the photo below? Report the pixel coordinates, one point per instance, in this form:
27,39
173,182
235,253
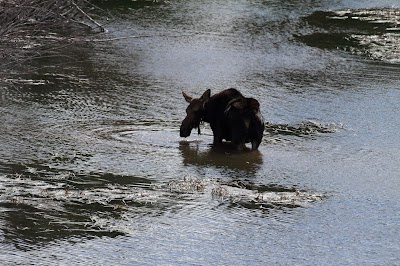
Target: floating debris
269,199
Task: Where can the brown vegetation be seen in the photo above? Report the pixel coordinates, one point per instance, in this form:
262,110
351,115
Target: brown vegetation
31,28
38,16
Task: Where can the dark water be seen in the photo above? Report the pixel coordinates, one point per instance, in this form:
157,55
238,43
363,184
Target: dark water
93,172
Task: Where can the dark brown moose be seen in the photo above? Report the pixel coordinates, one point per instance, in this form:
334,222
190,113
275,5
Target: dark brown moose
232,117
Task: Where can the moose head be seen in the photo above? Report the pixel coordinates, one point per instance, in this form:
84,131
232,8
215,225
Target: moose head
194,112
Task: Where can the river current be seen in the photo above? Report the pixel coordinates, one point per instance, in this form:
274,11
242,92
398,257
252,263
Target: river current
93,171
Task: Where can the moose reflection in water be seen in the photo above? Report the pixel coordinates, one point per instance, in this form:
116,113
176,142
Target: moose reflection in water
197,154
232,117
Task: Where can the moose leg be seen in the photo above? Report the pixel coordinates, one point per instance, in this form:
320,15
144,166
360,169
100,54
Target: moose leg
217,132
239,133
255,144
256,131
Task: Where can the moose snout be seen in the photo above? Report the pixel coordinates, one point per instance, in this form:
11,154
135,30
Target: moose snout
184,132
185,129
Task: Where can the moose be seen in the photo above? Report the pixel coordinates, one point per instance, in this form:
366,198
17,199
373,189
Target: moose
231,116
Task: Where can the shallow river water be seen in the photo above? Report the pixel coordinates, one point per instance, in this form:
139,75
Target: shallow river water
93,171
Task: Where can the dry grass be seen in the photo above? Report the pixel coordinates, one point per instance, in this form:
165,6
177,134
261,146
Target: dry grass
31,29
41,16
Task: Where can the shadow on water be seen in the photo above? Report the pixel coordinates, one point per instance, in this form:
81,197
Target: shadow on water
27,226
373,33
40,205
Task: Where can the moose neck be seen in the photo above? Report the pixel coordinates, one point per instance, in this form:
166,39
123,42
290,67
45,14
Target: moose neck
206,116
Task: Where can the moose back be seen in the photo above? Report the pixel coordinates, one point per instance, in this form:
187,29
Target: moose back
231,116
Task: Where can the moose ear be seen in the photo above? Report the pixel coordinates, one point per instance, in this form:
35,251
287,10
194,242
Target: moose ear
206,95
187,97
238,103
253,104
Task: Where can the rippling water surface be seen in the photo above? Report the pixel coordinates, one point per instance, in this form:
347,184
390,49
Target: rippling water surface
93,171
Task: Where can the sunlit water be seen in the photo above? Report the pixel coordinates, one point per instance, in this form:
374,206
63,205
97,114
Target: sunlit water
93,171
